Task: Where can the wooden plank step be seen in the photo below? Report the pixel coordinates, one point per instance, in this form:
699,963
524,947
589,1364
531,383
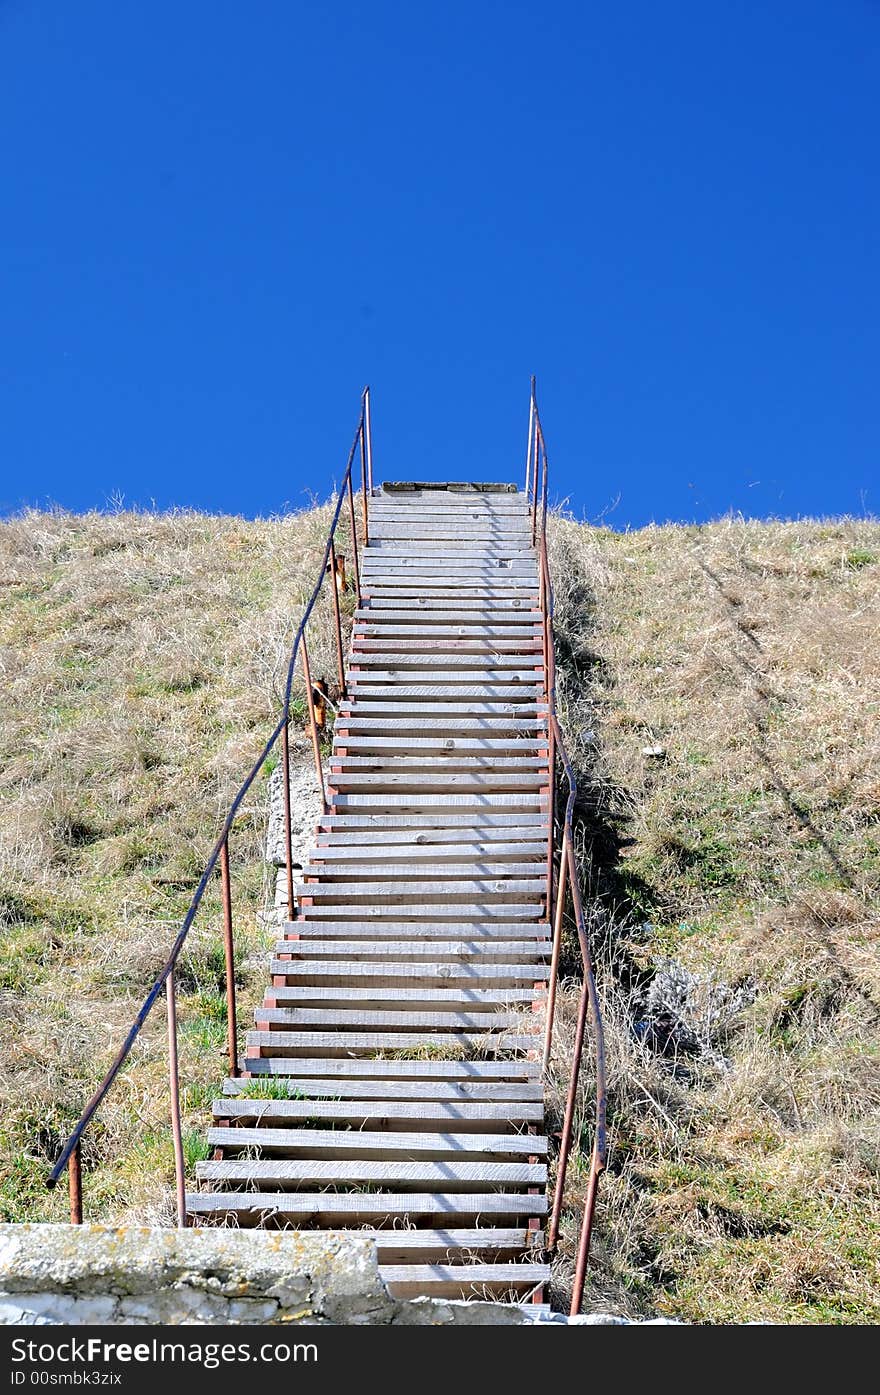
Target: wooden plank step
499,712
395,1246
326,1145
309,926
350,1019
485,871
480,518
452,929
468,886
440,565
520,578
530,771
289,1070
464,1072
486,825
281,1071
431,973
341,1209
390,1114
408,951
383,762
402,803
443,559
336,1210
340,1044
475,652
481,749
458,629
512,611
415,998
482,913
512,721
486,1281
436,852
457,536
446,782
452,590
462,829
451,1176
387,667
467,536
431,688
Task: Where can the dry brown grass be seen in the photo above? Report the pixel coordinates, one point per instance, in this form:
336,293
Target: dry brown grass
142,658
743,1178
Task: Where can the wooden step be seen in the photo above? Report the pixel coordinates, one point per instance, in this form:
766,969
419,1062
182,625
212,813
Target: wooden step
486,1281
287,1071
501,612
340,1209
415,721
413,949
430,973
419,911
474,651
465,1072
378,1115
417,999
324,1145
483,875
433,687
484,824
448,782
340,1044
509,855
453,929
443,667
511,715
347,1019
397,1176
418,591
395,1246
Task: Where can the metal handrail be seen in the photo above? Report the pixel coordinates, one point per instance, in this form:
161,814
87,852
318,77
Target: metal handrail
537,465
70,1155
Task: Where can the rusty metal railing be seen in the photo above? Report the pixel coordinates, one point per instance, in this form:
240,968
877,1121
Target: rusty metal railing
332,565
566,880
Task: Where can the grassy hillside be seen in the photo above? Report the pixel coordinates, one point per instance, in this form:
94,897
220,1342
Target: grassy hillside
722,687
142,659
734,872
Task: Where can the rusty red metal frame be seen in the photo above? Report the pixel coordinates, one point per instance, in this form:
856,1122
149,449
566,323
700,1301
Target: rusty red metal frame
567,880
70,1156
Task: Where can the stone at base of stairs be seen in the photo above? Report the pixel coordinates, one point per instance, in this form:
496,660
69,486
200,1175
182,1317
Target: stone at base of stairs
61,1274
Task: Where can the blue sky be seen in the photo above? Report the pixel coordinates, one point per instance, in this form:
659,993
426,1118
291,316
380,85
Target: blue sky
218,220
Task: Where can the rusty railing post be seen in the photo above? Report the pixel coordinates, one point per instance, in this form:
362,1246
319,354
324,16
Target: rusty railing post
333,566
529,442
288,837
74,1186
174,1085
319,690
316,745
354,541
557,946
364,486
368,432
568,1125
535,481
229,955
580,1271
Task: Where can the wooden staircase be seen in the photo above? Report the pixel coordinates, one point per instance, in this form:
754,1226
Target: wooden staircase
392,1082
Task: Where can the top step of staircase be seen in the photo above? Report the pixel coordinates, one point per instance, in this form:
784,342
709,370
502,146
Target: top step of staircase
446,486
